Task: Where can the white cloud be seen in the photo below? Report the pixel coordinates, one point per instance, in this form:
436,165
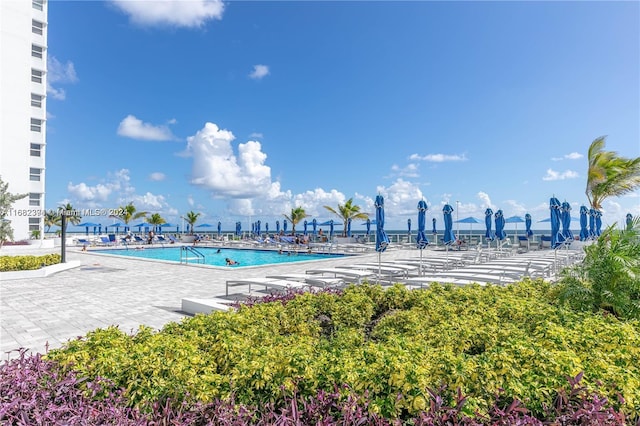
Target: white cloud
57,72
486,200
100,193
216,167
256,135
191,201
149,202
571,156
554,175
157,176
172,13
259,72
438,158
134,128
409,171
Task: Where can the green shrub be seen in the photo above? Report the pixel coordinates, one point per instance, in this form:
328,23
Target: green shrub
393,344
25,263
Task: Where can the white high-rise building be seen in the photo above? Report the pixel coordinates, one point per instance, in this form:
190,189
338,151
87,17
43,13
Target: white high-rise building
23,114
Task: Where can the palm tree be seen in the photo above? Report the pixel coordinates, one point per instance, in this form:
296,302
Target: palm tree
609,175
129,213
52,218
191,218
296,216
71,215
156,220
346,212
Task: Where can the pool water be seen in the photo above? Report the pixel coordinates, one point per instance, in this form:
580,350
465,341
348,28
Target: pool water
245,257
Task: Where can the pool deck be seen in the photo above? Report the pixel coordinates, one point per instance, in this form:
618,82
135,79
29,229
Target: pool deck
36,313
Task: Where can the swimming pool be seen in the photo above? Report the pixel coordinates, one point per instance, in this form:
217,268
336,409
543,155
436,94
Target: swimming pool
245,257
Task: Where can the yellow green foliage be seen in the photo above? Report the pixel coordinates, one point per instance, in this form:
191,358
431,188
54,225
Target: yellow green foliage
25,263
386,342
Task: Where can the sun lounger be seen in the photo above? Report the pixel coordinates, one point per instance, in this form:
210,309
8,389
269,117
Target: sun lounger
355,274
205,306
266,282
313,280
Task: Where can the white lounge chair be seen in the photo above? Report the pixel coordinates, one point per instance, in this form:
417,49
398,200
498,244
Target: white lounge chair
313,280
205,306
354,274
266,282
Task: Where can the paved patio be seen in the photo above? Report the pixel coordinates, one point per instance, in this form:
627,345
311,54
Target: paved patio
46,312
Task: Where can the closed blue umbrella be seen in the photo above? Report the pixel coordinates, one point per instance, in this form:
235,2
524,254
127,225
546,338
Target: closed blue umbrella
584,232
554,209
277,226
488,213
382,241
314,226
565,217
499,218
527,223
629,221
449,237
434,230
421,238
409,226
219,228
368,223
305,228
592,223
598,223
266,227
349,227
258,226
238,228
284,225
330,230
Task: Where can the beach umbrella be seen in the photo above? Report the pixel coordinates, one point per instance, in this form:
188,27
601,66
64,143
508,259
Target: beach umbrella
382,241
258,226
629,221
488,213
368,223
554,209
277,226
238,228
598,223
219,228
284,226
565,217
116,225
584,231
527,223
349,227
305,228
592,223
434,230
470,220
409,226
516,220
253,227
87,225
330,230
266,227
314,227
421,238
449,237
499,218
164,225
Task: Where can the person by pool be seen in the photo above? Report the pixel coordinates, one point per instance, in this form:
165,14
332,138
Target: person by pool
231,262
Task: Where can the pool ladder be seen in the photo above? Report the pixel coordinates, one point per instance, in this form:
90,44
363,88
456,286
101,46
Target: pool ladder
188,253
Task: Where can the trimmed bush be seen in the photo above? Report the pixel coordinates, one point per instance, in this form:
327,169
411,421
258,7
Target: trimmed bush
26,263
392,345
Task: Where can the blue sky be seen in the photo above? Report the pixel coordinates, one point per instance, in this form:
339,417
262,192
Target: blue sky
242,110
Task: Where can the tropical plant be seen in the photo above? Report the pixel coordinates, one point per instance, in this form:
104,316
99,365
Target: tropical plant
295,217
6,201
129,213
609,277
52,218
608,174
346,212
71,215
156,220
191,218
